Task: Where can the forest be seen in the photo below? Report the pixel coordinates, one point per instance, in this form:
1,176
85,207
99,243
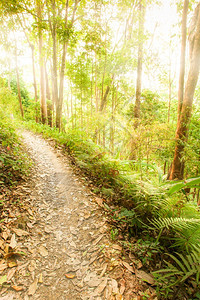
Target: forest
114,85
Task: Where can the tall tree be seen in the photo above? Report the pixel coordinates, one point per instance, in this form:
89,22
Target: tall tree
177,168
41,61
182,60
139,64
68,27
18,82
31,45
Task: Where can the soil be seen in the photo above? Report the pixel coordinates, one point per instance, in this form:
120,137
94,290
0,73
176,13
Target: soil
66,239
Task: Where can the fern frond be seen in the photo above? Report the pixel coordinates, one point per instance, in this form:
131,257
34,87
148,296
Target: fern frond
176,223
182,269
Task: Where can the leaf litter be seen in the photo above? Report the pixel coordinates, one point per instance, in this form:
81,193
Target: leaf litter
47,226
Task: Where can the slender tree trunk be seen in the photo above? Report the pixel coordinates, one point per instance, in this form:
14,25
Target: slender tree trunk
42,68
139,65
62,68
54,66
182,59
34,83
91,99
177,168
170,94
49,101
18,83
33,66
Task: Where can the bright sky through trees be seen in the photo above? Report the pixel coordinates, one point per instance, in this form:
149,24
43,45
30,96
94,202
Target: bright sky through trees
160,22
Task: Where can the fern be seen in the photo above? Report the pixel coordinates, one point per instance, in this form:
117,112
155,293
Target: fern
175,223
182,268
186,231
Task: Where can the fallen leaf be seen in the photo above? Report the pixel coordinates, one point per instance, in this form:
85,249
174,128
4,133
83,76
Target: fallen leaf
99,201
114,285
32,266
117,247
119,297
139,265
12,264
5,235
3,266
33,287
40,280
1,244
98,240
11,273
100,288
22,266
20,232
17,288
30,212
3,279
128,267
87,215
145,277
29,225
69,276
122,288
43,251
13,242
7,297
104,270
48,229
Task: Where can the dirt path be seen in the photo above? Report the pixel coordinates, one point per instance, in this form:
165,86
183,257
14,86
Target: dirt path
67,258
69,252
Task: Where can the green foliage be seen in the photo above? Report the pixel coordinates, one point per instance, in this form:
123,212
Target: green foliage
180,269
23,90
14,163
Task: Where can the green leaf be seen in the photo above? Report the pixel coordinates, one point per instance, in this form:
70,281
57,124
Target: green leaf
175,188
3,279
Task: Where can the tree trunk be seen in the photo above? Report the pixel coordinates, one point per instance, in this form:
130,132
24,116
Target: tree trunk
177,168
42,68
33,66
54,67
139,65
49,101
34,83
182,59
18,84
59,103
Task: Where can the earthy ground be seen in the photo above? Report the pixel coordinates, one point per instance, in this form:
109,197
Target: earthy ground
69,253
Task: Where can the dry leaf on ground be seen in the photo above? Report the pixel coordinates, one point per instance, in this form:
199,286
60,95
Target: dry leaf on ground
13,242
3,266
7,297
100,288
128,267
10,274
17,288
69,276
40,280
12,264
122,288
33,287
99,201
43,251
20,232
145,276
5,235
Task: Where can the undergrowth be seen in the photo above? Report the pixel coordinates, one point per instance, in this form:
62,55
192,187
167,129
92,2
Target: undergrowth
163,217
14,163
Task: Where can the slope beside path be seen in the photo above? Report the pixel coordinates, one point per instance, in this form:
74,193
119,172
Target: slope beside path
69,253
